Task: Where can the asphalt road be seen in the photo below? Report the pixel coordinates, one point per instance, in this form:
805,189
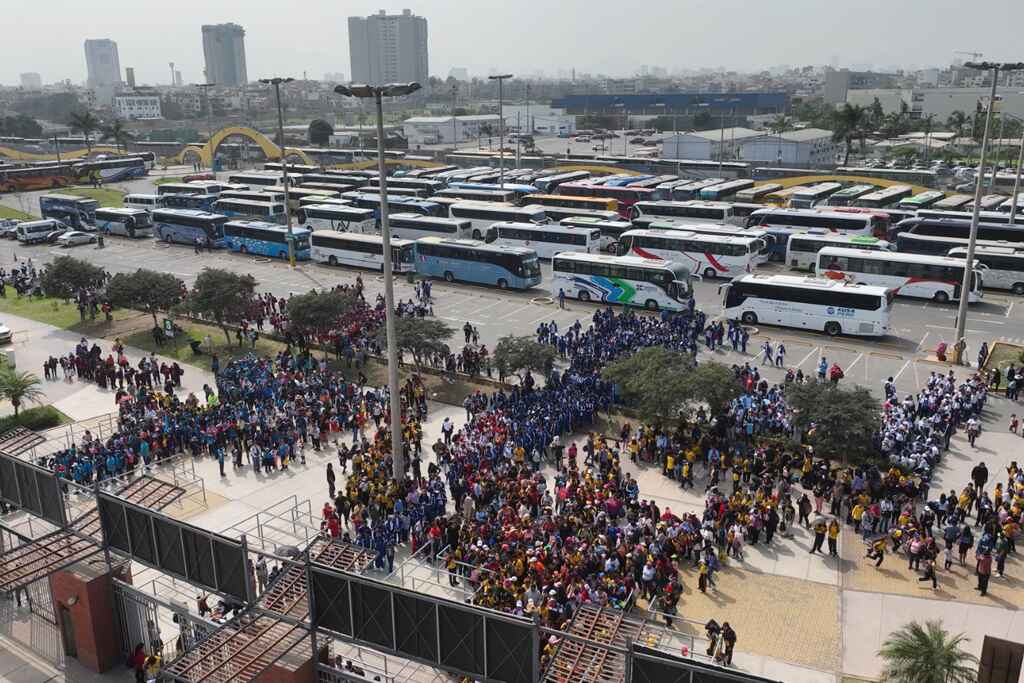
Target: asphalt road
918,326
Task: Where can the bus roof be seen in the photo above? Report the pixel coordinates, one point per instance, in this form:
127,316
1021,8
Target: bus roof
811,282
591,220
758,191
819,190
435,220
275,227
854,191
685,234
191,213
121,210
499,206
634,261
820,234
359,237
890,191
888,256
67,197
339,208
244,202
477,244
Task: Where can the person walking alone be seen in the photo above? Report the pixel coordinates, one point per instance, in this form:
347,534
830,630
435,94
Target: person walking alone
330,480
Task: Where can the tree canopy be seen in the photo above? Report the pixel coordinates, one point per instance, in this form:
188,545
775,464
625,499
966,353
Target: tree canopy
20,126
66,275
840,421
144,289
320,132
316,313
222,295
419,336
926,653
522,355
849,123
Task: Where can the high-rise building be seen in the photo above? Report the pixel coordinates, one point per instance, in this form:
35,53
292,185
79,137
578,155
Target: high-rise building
104,69
129,77
388,48
31,81
224,50
177,78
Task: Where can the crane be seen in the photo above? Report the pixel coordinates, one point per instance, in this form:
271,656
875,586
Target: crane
974,55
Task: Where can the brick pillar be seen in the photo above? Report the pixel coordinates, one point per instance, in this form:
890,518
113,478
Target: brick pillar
85,593
295,667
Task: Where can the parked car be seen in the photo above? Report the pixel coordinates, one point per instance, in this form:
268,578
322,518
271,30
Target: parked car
5,334
73,238
9,229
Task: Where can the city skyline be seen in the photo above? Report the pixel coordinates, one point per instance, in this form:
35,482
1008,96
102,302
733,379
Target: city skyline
566,37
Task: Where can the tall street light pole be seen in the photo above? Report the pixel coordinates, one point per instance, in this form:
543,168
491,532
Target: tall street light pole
209,116
501,128
378,93
455,130
1016,180
276,82
965,288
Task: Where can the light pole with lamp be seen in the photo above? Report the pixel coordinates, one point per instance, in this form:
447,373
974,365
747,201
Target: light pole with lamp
501,128
276,82
378,93
1016,180
209,115
965,288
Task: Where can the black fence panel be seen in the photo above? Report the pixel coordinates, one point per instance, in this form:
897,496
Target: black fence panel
168,547
330,602
112,521
27,486
655,666
51,497
416,627
8,485
510,651
462,640
198,558
371,612
141,536
230,560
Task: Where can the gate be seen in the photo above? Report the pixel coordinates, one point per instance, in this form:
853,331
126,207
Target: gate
162,626
26,615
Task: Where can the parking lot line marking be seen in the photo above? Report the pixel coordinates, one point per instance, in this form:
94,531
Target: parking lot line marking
896,377
1010,308
515,312
805,358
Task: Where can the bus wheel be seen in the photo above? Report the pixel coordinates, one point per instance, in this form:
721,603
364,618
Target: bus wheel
332,260
583,295
750,318
651,305
243,250
502,283
477,235
941,298
1018,288
833,329
709,273
448,277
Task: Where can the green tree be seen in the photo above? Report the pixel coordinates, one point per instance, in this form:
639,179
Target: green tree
55,107
20,126
956,121
67,275
522,355
320,132
654,382
146,290
926,653
171,110
702,120
419,336
713,384
223,295
86,123
840,421
893,125
875,113
18,387
116,131
848,124
780,124
315,313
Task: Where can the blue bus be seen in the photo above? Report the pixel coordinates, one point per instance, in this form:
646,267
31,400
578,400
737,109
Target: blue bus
185,226
265,239
78,213
112,170
369,200
197,202
475,261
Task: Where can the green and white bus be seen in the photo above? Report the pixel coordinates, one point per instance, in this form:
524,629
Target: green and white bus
847,196
922,200
626,280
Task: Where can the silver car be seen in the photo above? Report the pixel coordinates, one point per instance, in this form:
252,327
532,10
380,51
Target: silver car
73,238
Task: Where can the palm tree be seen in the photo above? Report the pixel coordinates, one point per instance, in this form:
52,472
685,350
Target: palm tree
848,124
18,387
778,126
893,125
116,131
957,120
927,654
86,123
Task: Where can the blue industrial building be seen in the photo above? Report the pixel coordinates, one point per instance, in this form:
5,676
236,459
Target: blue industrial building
737,103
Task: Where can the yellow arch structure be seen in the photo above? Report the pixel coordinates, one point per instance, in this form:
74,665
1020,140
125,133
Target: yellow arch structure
18,155
847,179
270,149
605,170
372,163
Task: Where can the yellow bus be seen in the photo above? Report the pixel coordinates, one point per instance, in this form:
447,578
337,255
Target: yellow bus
782,197
571,202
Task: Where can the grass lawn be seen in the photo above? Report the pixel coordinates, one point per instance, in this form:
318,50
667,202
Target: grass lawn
37,418
164,181
55,312
1002,355
105,196
7,212
180,350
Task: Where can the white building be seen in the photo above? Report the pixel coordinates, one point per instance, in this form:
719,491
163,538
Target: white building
224,54
137,107
440,130
706,144
104,69
937,102
388,48
807,147
31,81
545,120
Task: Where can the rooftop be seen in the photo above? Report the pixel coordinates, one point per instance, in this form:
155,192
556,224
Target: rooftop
448,119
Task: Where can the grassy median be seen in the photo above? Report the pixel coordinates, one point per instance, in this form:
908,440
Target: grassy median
104,195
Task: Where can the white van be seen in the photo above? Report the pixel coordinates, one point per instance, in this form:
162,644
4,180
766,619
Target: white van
34,232
149,202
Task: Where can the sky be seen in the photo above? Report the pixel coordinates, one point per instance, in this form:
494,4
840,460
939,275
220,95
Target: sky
609,37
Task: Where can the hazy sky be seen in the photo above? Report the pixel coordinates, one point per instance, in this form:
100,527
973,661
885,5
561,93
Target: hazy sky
613,37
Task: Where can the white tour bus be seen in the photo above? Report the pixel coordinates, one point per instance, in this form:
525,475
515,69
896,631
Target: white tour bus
611,231
709,229
337,217
1004,266
149,202
691,211
412,226
483,215
802,248
309,201
546,240
832,306
361,251
710,255
626,280
124,221
915,275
